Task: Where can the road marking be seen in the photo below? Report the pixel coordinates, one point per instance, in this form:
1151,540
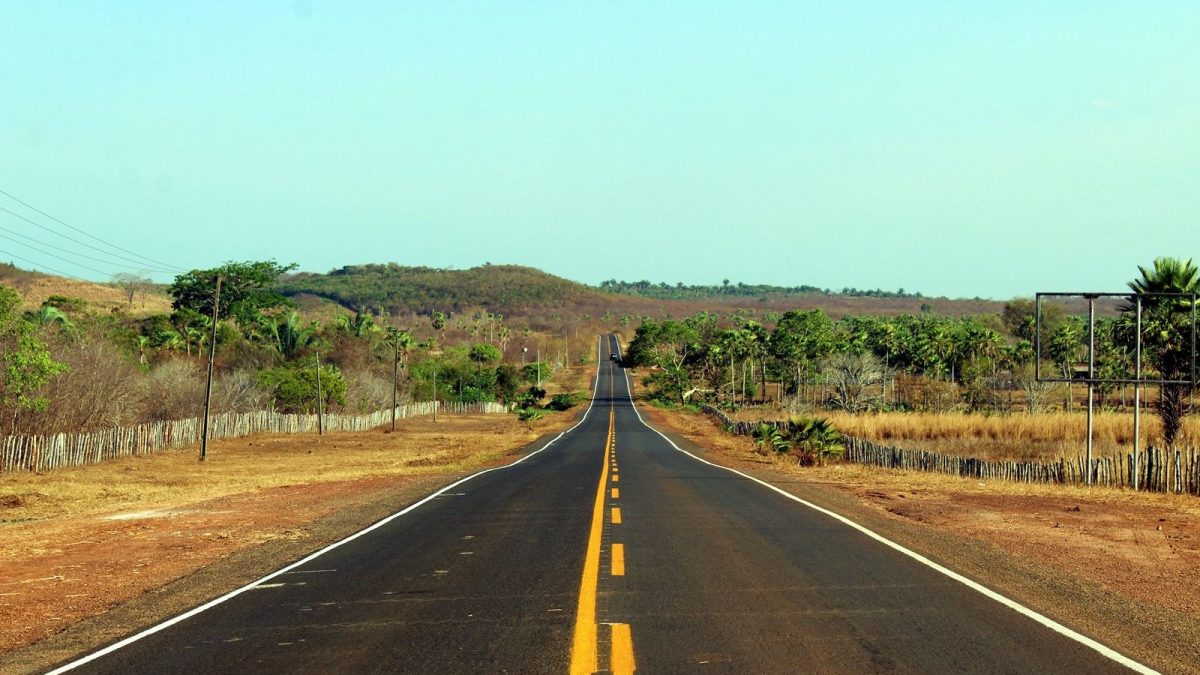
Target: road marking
583,644
616,493
616,516
312,556
622,662
1046,621
616,478
618,560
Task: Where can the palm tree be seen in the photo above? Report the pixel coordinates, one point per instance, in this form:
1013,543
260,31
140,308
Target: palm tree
291,337
49,315
768,438
816,438
1167,334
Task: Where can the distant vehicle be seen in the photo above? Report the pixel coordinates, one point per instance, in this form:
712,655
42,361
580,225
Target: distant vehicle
614,356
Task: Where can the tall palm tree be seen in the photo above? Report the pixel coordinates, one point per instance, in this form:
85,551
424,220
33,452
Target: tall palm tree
291,336
1167,334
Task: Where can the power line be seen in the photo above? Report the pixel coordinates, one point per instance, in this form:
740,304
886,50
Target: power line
35,264
87,234
71,239
57,257
70,252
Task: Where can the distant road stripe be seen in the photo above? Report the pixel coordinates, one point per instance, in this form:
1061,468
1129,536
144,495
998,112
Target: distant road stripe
622,650
1046,621
305,560
616,493
618,560
616,478
616,516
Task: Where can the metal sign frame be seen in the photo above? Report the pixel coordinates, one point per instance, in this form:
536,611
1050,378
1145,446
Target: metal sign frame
1091,380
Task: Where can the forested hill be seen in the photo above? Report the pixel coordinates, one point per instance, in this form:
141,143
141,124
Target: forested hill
513,290
680,291
398,289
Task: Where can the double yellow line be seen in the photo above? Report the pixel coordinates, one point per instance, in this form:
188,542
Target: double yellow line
584,657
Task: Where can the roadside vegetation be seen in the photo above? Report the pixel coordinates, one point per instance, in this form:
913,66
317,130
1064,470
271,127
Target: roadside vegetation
72,366
928,373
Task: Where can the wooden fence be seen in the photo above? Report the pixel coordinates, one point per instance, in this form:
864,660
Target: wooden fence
42,453
1159,470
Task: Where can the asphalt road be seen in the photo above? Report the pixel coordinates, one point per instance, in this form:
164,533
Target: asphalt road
607,550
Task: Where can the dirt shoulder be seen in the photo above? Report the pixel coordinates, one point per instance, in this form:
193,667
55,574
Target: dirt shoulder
1117,566
94,553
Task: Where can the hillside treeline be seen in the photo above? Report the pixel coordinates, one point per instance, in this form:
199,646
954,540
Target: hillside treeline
681,291
396,289
71,368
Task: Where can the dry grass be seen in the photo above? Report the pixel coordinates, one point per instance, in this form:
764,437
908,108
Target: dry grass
100,297
701,430
419,446
1013,437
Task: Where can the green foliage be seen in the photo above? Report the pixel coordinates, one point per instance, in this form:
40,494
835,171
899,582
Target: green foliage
1166,334
247,290
485,354
565,401
289,336
815,438
529,415
66,303
294,385
27,362
768,438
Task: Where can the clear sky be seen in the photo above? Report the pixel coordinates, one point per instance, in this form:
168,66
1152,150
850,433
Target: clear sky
958,148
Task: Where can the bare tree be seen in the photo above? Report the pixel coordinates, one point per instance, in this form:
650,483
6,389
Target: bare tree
132,284
1036,393
855,379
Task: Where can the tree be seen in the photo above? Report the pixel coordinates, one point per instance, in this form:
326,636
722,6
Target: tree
290,336
132,284
800,340
853,378
438,322
815,438
294,386
48,315
485,354
247,290
27,362
1166,334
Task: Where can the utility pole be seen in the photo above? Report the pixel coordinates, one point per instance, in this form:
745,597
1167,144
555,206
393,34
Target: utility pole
212,352
1091,389
539,368
395,377
320,415
435,400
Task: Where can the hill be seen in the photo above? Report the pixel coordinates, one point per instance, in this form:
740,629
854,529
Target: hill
36,288
422,290
513,290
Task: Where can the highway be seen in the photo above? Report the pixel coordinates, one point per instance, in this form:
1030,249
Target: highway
608,550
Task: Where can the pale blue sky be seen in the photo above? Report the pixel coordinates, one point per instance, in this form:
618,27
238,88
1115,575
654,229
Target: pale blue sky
958,148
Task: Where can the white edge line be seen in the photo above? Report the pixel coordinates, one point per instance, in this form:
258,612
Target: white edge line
1007,602
238,591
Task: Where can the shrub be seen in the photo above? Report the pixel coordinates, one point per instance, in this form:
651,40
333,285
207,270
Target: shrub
294,386
561,402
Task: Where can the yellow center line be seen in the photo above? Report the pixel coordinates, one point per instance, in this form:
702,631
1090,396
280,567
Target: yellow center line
616,478
622,650
583,645
616,493
616,515
618,560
